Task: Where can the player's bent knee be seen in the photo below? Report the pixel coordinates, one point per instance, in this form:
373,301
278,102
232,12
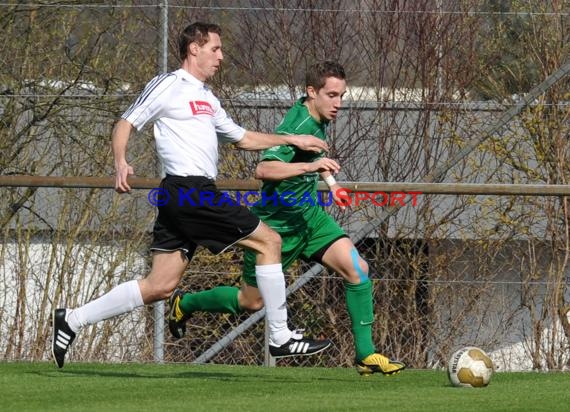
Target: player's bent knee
159,290
163,292
360,266
274,239
270,242
364,268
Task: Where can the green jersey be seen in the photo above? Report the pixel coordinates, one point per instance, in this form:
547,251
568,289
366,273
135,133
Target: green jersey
287,203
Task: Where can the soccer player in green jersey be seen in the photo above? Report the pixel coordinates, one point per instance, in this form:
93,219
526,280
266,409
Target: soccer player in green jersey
290,205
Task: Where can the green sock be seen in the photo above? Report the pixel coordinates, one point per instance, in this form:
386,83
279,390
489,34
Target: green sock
221,299
361,311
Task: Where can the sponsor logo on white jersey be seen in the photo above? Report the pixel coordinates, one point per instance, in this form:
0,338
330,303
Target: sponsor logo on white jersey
201,107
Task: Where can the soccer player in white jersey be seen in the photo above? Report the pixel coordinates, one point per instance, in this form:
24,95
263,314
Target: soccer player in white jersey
189,122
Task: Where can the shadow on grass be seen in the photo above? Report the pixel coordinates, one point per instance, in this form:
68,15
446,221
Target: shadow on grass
250,374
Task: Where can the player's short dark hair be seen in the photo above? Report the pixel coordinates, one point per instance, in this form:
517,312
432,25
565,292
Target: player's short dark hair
196,32
319,72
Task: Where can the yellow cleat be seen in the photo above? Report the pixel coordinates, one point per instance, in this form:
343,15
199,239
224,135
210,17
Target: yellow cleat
377,363
176,318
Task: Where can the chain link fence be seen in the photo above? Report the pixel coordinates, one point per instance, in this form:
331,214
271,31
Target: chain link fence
426,79
431,296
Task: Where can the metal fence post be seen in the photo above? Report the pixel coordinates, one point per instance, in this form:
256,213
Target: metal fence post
269,360
158,310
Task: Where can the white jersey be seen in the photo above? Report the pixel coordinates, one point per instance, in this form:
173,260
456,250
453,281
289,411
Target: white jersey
189,122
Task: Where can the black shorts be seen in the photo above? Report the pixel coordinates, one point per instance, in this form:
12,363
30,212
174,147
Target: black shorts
194,212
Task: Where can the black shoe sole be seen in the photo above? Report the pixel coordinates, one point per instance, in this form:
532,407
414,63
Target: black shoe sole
371,372
301,354
53,340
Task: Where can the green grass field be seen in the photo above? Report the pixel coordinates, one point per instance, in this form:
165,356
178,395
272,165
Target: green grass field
178,387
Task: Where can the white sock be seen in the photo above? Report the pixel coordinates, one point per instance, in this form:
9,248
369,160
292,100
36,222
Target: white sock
271,284
121,299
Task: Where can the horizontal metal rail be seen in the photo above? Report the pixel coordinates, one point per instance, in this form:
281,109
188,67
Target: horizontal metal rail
253,185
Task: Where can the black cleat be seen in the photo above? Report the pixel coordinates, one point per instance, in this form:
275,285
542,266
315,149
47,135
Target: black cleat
62,338
176,318
299,345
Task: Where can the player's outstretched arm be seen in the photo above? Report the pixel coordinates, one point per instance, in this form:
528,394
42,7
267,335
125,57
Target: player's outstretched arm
258,141
277,170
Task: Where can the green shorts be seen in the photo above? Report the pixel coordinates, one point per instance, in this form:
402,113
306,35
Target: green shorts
308,241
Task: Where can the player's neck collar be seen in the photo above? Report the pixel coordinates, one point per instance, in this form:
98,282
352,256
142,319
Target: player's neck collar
188,76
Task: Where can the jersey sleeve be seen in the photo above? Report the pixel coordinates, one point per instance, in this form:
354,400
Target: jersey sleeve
226,129
282,153
148,105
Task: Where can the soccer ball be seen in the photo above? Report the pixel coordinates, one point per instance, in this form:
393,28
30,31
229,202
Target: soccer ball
470,367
